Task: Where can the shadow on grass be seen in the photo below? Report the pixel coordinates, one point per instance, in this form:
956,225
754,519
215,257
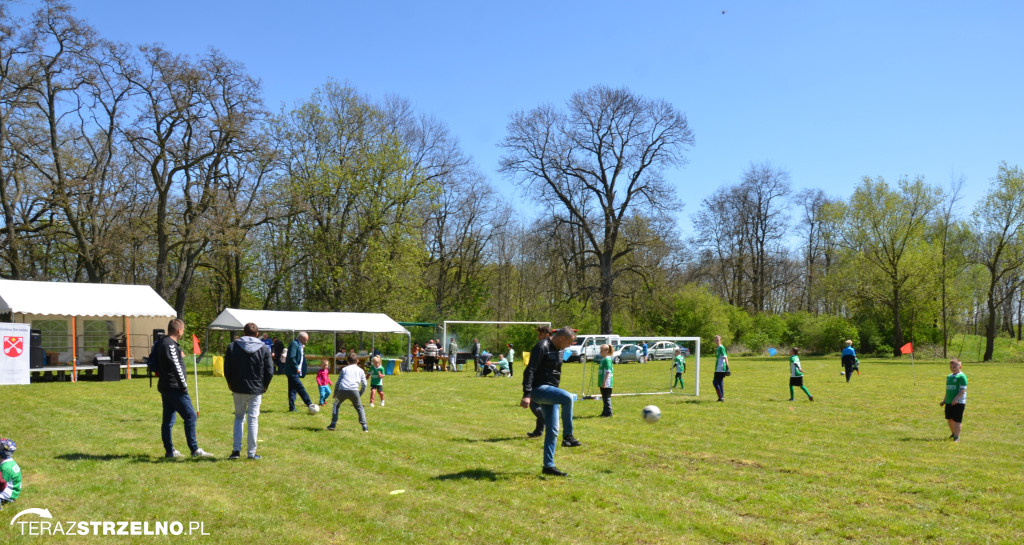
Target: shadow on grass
134,458
699,401
472,474
489,439
925,439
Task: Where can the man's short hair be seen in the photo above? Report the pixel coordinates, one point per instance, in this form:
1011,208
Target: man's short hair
302,334
175,326
352,358
250,330
544,329
565,332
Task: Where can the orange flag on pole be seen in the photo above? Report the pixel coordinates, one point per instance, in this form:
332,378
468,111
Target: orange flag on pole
195,344
907,348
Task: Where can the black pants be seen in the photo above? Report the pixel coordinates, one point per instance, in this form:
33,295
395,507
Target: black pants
535,409
606,397
849,369
719,384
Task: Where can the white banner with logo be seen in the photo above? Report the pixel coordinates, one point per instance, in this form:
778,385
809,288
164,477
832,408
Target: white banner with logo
14,355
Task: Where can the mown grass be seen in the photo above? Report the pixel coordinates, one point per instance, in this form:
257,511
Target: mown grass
866,462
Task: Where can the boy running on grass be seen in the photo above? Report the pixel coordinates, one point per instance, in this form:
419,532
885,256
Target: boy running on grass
796,374
679,364
956,398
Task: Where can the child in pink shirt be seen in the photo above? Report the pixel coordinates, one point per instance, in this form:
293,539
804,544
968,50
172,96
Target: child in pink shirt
323,380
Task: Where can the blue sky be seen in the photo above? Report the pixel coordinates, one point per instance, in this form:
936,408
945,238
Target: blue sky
830,91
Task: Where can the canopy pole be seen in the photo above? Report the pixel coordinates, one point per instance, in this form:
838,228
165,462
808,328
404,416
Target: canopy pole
74,350
128,346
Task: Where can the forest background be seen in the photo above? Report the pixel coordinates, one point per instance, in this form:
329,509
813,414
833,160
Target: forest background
127,163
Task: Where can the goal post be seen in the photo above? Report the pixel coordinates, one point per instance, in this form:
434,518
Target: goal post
635,376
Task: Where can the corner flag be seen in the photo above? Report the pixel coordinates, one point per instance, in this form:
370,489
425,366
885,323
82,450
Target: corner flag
195,344
907,349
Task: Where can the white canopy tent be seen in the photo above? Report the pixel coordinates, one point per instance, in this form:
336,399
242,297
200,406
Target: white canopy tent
234,319
29,301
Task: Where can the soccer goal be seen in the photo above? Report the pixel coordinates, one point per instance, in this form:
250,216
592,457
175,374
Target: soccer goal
636,375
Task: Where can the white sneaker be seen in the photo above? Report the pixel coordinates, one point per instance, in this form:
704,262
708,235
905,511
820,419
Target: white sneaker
174,454
382,403
200,453
371,404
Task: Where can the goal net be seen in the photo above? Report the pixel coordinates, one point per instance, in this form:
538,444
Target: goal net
636,375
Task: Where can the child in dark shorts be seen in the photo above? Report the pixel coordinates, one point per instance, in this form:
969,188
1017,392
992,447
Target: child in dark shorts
956,398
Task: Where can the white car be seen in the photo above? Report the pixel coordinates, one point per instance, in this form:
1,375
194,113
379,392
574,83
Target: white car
662,350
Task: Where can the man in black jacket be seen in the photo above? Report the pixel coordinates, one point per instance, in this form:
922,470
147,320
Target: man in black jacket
540,385
248,371
173,388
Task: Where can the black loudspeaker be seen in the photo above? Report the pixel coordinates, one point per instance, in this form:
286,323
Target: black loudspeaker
36,357
35,338
108,372
117,354
158,334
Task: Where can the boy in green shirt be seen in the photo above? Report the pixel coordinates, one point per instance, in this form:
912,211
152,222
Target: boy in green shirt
376,379
796,374
9,471
604,376
679,364
956,398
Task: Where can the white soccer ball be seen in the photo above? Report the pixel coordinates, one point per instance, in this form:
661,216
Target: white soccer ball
651,414
314,408
842,373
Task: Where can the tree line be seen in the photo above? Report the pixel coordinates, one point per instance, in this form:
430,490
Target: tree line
124,163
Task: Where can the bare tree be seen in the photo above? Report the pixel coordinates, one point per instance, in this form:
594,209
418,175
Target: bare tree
593,163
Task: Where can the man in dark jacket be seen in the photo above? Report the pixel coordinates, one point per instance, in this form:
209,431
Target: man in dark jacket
277,353
248,371
292,369
540,385
173,389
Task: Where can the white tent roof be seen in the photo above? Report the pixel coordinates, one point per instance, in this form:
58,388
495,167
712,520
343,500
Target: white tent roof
288,320
81,299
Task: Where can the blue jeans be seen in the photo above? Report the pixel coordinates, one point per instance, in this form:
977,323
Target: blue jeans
246,405
295,387
550,398
177,402
325,392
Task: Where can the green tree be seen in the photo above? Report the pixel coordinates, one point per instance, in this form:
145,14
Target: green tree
884,231
998,223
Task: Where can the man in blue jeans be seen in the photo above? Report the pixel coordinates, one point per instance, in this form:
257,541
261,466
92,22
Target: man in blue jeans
174,391
293,368
540,385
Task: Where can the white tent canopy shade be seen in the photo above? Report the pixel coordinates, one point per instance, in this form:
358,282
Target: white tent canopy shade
234,319
81,299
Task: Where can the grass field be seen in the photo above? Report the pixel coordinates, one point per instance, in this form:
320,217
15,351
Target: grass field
866,462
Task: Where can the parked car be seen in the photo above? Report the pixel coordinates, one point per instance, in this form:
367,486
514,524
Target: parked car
662,350
588,347
627,353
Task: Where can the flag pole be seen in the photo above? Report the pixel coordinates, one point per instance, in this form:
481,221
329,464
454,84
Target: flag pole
195,368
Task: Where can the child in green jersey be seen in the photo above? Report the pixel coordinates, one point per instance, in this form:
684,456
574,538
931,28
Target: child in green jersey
604,376
9,471
796,374
956,398
721,368
679,364
376,379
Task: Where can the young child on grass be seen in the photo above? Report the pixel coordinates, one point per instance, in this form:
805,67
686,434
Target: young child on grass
605,371
956,398
10,472
721,368
503,369
679,364
323,380
376,379
796,374
350,385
